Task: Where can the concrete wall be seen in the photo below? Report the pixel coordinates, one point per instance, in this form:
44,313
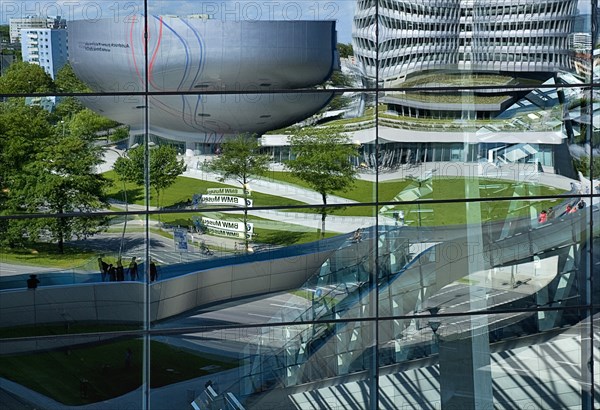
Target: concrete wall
118,302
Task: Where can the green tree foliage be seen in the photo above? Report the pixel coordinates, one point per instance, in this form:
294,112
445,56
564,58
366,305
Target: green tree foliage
67,81
24,131
62,179
87,124
242,160
164,168
345,50
4,32
44,170
322,160
25,78
338,79
582,164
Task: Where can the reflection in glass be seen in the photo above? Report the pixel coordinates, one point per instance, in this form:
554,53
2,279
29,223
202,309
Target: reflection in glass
452,267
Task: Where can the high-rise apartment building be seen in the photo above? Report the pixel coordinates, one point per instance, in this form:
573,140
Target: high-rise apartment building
45,47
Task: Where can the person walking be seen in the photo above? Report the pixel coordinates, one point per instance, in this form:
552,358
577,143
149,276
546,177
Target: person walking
112,273
103,267
133,269
120,271
153,271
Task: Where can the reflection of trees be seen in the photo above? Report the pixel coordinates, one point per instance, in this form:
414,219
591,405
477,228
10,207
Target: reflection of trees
242,160
323,160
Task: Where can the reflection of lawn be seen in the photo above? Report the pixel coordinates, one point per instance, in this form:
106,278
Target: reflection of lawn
46,254
58,374
365,191
181,192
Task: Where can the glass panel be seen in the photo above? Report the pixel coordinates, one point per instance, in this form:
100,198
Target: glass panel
61,279
507,262
271,367
283,256
460,360
474,44
281,45
473,147
64,371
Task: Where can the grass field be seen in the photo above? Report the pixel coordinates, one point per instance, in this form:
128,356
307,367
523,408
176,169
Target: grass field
46,254
181,192
58,373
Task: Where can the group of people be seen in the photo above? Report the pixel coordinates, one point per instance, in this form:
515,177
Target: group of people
116,273
545,216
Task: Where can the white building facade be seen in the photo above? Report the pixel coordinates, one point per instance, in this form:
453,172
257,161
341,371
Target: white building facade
45,47
498,35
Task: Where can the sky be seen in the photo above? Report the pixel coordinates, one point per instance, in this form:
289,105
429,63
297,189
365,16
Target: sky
340,10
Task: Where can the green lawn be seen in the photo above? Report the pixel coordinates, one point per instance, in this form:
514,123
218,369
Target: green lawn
181,192
47,254
444,188
58,374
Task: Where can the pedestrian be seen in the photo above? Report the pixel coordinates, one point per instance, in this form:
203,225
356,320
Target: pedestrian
550,213
543,218
112,273
103,267
581,204
133,269
120,271
153,271
357,235
32,282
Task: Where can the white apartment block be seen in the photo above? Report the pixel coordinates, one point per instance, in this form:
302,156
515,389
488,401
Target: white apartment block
45,47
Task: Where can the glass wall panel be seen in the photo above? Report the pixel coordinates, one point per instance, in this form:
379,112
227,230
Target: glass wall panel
475,44
302,273
57,372
276,367
72,275
350,204
280,45
457,360
481,144
505,263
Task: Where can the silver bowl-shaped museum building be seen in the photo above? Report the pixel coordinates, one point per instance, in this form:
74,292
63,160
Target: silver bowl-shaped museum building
188,58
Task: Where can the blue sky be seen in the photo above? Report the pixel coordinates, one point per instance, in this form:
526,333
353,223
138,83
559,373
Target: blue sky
341,10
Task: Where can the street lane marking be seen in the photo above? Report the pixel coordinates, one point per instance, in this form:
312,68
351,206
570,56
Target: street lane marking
289,307
256,314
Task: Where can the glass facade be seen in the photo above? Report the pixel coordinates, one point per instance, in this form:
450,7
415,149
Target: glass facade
302,205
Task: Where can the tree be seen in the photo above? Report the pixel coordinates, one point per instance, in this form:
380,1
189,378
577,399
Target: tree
63,180
345,50
25,78
47,171
322,160
86,124
24,130
164,168
67,81
241,159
